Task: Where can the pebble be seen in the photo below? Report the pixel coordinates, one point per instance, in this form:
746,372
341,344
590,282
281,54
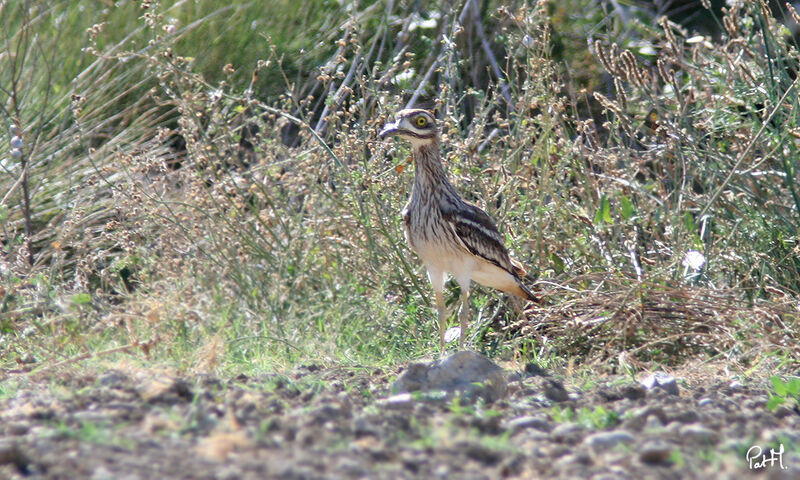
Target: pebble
569,433
397,402
655,451
89,416
555,391
661,380
631,391
18,428
523,423
645,416
698,433
685,416
606,440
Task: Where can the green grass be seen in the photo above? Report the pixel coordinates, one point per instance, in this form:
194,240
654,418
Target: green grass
594,419
207,191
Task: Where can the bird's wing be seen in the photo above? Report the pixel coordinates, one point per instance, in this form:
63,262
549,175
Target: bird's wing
478,233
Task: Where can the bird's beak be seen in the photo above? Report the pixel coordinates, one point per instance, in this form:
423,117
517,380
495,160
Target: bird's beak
388,129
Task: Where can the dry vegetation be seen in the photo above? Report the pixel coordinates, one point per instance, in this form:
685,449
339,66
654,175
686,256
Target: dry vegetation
225,204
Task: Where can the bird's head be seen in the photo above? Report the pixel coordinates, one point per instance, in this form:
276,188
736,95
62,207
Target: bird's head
415,125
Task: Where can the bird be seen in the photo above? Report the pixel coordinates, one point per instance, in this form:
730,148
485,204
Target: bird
449,234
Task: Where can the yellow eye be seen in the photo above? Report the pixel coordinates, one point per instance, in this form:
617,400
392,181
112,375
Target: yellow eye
421,121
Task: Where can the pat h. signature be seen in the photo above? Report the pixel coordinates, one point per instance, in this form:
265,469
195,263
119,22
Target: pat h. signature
758,459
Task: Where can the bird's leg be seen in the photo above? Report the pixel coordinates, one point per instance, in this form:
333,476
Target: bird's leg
463,315
437,278
442,309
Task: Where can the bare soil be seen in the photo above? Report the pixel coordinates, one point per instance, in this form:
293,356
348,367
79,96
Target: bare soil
127,423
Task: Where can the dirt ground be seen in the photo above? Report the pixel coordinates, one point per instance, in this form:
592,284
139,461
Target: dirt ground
126,423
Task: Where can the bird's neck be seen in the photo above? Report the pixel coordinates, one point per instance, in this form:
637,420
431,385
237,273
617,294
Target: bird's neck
428,169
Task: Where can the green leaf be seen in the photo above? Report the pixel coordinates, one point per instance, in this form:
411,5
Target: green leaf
626,207
688,222
779,386
793,387
604,212
81,299
558,263
774,402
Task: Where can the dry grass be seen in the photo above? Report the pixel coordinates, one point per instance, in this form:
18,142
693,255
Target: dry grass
247,229
662,324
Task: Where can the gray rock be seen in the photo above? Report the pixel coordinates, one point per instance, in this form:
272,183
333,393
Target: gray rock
555,391
18,428
12,454
523,423
401,401
469,373
661,380
362,427
655,452
698,433
569,433
704,401
631,391
684,416
641,417
570,461
90,416
607,440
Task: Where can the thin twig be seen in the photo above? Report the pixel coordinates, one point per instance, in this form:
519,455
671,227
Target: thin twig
88,355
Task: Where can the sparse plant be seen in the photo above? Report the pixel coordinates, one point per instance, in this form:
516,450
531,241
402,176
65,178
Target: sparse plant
598,418
784,392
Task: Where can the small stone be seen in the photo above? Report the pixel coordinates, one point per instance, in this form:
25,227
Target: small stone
568,462
555,391
11,454
783,411
735,385
569,433
18,428
645,416
704,401
523,423
661,380
397,402
607,440
632,391
362,427
90,416
605,476
481,453
655,451
685,416
698,433
534,369
654,424
112,378
452,334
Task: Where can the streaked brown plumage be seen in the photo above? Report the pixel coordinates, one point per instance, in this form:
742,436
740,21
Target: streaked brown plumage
449,234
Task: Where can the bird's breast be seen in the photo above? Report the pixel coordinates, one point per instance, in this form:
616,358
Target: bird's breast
429,234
